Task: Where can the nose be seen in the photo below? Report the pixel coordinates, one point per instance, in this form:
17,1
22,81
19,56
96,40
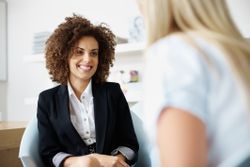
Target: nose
86,57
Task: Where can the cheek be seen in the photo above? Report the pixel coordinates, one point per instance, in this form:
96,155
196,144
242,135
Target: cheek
71,65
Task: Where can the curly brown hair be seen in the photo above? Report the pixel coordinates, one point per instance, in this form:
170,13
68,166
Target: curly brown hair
60,45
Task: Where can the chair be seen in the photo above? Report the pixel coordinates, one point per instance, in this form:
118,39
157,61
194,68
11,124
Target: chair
144,153
246,163
28,152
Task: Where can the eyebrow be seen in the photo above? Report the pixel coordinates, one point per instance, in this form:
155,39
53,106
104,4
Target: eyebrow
96,49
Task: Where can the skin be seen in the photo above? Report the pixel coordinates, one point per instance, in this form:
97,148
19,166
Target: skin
181,139
83,64
86,161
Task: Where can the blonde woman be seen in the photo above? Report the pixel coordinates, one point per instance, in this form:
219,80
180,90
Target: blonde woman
197,84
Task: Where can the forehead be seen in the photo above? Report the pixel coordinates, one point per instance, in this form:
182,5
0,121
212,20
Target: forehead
87,42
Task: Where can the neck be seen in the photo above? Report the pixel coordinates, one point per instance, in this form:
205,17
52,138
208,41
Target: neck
79,86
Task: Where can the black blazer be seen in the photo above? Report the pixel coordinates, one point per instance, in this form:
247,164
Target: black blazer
113,123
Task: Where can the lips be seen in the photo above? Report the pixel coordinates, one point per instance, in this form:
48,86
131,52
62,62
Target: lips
84,68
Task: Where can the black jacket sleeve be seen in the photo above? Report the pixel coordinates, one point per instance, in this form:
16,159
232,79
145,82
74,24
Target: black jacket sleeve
124,127
49,144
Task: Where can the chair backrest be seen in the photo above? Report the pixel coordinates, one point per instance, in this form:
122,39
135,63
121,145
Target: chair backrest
144,153
28,152
245,163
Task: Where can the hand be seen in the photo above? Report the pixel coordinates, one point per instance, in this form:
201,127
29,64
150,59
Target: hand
81,161
110,161
121,157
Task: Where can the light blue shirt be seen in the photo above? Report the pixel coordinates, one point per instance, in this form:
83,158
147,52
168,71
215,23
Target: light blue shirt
178,75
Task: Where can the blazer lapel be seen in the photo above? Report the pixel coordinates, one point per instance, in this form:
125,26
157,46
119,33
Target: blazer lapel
101,115
64,116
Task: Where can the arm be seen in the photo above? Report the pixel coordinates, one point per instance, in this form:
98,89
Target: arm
49,145
95,160
128,144
86,161
181,139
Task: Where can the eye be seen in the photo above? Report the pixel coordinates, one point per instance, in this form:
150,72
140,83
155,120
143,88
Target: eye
79,52
94,53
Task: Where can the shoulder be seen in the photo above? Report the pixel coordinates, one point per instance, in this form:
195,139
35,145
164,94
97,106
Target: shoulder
50,92
171,46
174,51
111,88
170,41
109,85
186,46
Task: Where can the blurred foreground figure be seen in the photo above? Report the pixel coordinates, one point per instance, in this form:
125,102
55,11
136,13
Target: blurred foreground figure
197,84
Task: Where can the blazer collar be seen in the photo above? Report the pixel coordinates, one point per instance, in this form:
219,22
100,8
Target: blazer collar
100,114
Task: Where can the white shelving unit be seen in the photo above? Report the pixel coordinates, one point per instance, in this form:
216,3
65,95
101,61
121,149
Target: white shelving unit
130,48
35,58
122,50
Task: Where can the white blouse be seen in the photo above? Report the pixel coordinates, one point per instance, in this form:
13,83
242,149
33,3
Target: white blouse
82,114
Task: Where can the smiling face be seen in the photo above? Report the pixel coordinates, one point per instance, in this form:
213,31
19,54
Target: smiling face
84,60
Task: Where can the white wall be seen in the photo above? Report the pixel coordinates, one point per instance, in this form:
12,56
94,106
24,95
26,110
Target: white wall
3,57
29,16
240,10
3,38
25,17
2,99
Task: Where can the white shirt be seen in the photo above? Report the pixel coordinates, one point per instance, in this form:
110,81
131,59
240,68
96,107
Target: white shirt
82,114
177,75
82,118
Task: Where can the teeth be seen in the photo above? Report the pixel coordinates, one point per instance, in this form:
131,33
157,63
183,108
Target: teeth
84,67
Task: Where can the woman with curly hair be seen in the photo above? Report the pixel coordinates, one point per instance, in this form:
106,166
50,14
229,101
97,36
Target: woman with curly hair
85,121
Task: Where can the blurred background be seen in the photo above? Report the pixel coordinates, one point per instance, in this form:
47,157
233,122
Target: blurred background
26,24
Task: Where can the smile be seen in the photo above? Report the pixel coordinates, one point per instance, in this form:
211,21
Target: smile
84,68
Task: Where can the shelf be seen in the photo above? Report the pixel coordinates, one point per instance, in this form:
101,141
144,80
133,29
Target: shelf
130,48
121,49
35,58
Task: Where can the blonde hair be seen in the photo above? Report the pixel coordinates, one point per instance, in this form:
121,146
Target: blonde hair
210,19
